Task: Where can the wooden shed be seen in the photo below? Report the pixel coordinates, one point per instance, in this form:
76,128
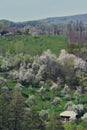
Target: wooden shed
68,115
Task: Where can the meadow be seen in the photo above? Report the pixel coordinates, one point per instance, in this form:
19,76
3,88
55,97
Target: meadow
32,45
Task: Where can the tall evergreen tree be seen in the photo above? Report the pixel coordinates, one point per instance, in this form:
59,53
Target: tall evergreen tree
16,111
32,121
4,108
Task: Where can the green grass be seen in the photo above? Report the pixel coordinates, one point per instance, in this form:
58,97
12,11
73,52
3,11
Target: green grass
41,103
33,46
45,102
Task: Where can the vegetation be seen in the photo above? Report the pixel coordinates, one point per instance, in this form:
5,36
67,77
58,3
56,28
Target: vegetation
32,45
39,79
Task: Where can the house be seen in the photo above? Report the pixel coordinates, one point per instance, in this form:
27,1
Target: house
68,115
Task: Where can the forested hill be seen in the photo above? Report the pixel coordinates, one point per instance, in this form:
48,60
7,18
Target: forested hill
67,19
47,21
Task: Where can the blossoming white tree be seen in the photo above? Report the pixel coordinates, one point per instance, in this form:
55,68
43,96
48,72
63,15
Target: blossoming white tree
56,100
31,100
44,114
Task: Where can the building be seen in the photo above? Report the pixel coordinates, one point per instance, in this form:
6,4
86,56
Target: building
68,115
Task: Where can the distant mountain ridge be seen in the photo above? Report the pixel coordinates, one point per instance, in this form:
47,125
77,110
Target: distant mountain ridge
66,19
47,21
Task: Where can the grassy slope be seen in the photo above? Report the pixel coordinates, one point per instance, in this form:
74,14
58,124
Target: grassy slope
35,46
45,102
32,45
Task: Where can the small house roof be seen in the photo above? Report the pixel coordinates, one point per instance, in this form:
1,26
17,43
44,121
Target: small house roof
68,114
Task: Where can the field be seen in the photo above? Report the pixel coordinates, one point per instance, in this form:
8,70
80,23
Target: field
32,45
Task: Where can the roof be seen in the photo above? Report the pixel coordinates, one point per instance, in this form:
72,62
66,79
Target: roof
68,114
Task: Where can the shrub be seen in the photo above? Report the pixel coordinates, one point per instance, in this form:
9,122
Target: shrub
44,114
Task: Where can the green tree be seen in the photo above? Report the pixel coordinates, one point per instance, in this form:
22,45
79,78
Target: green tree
32,121
4,109
54,124
16,111
70,126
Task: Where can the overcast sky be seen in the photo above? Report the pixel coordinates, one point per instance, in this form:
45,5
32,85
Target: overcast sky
24,10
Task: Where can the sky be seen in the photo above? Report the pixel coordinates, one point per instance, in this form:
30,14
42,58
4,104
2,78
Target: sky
26,10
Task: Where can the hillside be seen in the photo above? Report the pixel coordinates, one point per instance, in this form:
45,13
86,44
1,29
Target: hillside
47,22
42,87
37,23
41,77
31,45
66,19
